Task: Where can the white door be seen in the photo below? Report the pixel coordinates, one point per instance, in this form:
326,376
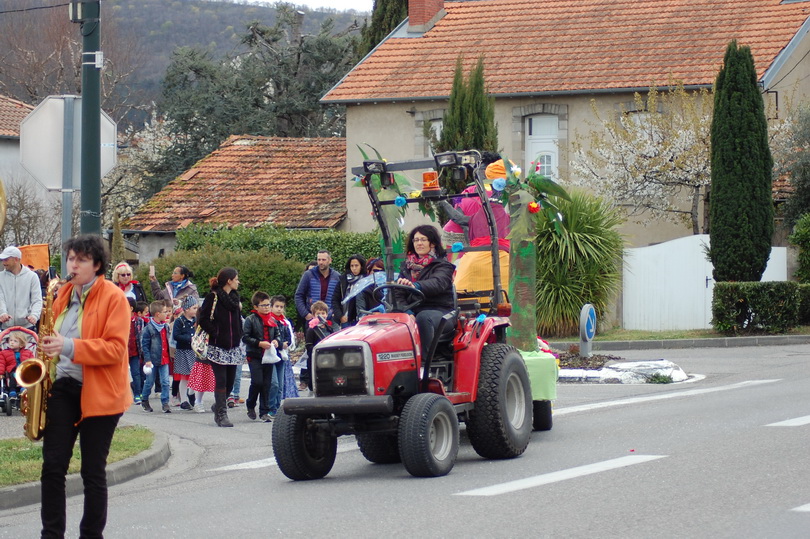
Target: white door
541,145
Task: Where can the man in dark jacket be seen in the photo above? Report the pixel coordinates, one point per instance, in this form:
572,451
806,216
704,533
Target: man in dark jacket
317,284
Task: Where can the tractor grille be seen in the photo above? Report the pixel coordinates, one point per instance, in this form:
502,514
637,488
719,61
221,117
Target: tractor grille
340,371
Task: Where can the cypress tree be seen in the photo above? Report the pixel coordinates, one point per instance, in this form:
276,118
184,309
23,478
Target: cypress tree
479,112
469,121
741,212
452,135
117,250
385,16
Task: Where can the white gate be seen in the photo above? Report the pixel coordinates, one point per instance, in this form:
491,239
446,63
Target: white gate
669,286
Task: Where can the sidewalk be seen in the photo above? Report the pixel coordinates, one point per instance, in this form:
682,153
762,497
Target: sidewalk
664,344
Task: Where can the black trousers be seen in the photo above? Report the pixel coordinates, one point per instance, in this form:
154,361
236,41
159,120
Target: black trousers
427,322
261,376
64,412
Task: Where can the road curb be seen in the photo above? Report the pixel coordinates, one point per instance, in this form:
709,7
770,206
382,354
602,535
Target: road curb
119,472
664,344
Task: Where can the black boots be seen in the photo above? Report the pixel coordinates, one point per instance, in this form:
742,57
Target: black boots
220,409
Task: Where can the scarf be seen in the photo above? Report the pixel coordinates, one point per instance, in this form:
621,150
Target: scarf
415,264
267,319
157,326
127,285
279,318
177,286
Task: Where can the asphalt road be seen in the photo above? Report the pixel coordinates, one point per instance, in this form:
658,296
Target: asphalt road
723,456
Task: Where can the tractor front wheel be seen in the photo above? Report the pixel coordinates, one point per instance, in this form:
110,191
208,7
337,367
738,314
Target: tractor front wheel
428,435
500,424
301,452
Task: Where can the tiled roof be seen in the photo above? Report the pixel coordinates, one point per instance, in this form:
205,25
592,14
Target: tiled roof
549,46
252,180
12,112
782,188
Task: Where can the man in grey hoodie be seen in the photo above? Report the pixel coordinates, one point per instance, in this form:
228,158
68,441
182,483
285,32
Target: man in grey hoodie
20,292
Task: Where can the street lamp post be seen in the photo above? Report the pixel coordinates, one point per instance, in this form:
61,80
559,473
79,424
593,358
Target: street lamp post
87,14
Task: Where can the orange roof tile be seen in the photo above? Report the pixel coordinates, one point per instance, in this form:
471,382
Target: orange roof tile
551,46
12,112
251,181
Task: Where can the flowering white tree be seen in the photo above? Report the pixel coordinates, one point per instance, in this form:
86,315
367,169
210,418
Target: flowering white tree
129,184
653,160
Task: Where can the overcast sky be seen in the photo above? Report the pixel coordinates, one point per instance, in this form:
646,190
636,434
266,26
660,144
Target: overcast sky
358,5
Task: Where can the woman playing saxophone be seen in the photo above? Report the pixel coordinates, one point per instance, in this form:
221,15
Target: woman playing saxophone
90,391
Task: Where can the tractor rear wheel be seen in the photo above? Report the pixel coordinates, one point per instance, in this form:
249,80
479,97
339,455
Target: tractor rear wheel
302,453
379,448
542,415
428,435
500,424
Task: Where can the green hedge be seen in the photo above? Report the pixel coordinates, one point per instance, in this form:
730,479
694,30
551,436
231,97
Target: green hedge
300,245
755,307
804,304
258,270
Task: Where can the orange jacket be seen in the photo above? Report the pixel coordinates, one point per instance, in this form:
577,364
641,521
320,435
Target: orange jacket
102,348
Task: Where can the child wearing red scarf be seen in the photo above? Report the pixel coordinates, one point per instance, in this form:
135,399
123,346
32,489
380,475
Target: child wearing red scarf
260,335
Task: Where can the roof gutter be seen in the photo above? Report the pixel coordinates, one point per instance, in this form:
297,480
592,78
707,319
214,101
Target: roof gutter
784,55
599,91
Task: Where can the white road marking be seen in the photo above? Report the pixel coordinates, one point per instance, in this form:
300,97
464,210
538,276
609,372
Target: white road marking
802,509
562,475
266,463
662,396
795,422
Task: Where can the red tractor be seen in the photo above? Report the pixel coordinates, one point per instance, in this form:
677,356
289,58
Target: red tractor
371,381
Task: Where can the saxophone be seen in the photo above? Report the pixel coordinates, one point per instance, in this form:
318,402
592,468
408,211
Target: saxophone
35,374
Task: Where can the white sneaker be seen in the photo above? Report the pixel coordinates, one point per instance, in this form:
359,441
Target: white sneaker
199,408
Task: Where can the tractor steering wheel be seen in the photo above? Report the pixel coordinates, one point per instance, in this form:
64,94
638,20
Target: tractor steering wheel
420,296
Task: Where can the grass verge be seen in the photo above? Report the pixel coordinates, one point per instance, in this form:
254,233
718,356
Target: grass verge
21,459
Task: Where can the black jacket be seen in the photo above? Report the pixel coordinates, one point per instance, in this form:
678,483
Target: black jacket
225,329
338,309
436,283
253,333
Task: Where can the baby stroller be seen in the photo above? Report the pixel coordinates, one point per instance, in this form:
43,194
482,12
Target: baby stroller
10,393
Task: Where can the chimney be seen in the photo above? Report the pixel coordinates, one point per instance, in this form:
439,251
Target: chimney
423,14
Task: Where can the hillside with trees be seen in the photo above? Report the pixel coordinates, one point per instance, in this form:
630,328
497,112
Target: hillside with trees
215,25
139,38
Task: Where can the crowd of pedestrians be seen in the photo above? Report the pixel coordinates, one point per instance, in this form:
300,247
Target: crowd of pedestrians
112,349
161,358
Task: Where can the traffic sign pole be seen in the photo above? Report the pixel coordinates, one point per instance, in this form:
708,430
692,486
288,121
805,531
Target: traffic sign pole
67,175
90,222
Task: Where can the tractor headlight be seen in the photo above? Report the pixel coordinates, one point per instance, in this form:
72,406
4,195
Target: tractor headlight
352,359
325,360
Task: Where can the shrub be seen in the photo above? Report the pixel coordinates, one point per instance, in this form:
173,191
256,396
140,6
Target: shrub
753,307
300,245
258,270
581,265
801,238
804,303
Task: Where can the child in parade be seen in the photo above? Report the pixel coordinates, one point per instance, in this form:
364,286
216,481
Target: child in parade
134,351
155,346
319,328
260,335
286,339
183,331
